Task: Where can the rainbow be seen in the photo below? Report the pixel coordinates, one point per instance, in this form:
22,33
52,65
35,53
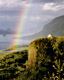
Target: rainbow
21,23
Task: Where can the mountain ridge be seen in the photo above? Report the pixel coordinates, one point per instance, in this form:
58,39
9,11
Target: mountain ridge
55,27
7,31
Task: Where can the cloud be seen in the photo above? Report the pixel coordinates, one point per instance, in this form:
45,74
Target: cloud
46,1
39,1
18,3
12,3
1,3
35,18
9,18
52,6
5,17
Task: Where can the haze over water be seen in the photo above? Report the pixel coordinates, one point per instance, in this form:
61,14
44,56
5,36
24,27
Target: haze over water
5,41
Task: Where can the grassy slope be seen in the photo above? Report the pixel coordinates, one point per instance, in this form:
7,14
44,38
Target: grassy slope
12,64
3,55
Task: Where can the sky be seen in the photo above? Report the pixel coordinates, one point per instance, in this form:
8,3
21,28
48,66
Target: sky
40,13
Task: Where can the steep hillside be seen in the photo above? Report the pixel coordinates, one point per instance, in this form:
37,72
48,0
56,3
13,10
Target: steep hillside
46,59
55,27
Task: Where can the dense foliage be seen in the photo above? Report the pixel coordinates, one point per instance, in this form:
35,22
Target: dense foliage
48,61
13,64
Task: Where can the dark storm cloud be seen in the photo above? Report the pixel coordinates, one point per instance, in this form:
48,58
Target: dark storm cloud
47,1
43,1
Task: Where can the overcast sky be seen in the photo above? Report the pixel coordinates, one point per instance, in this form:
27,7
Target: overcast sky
40,13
